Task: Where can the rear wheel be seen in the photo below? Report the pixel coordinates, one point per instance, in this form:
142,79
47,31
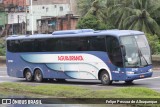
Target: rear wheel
105,79
38,77
28,75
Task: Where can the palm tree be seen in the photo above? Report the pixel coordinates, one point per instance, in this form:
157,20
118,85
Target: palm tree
136,14
94,7
84,6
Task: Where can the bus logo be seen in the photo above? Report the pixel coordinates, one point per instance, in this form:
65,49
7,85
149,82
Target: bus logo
70,58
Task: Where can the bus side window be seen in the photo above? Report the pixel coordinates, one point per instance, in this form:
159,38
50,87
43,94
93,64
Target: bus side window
81,44
97,44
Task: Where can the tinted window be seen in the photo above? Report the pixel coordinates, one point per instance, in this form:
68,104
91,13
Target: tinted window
14,46
57,45
97,44
114,51
53,45
26,46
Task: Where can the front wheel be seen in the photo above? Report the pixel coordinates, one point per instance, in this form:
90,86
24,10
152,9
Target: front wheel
38,77
105,79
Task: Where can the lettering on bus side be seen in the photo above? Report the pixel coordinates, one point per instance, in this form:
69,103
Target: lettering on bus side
70,58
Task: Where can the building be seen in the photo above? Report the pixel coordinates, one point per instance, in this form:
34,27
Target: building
1,1
73,5
22,3
14,17
46,2
46,8
48,25
17,22
19,14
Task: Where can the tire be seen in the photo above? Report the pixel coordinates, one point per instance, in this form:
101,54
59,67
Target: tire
129,82
28,76
105,79
38,77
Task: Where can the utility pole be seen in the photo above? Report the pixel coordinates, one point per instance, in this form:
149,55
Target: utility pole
31,16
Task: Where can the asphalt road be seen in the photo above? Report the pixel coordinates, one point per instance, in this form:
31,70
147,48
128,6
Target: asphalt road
152,83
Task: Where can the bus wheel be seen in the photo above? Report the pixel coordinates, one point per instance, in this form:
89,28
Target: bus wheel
38,77
28,75
105,79
129,82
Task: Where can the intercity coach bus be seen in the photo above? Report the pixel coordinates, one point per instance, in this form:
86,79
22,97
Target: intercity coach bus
107,55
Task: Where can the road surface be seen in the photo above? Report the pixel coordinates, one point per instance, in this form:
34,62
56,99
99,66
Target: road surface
152,83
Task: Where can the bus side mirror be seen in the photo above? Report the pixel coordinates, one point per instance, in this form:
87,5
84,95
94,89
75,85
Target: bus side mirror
123,50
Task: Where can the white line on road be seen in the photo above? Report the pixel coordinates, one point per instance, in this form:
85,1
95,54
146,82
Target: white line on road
148,78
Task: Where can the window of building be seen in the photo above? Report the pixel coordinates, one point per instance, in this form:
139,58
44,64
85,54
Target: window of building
61,8
27,22
47,9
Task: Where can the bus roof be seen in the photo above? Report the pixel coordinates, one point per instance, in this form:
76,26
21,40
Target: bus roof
77,33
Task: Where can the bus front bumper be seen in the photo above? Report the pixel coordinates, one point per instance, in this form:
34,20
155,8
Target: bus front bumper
138,76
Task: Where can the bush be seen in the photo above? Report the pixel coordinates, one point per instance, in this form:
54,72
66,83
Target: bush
154,43
2,48
91,22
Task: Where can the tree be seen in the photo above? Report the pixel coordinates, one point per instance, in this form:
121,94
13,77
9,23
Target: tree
137,15
96,9
93,7
154,43
91,22
84,6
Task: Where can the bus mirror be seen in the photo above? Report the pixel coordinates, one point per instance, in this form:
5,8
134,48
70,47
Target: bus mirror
123,50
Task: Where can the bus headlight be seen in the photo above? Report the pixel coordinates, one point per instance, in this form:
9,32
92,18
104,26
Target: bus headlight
130,72
150,70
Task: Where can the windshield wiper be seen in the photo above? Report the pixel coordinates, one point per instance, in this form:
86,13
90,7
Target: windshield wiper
141,55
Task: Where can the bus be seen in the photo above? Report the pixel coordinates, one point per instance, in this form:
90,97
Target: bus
106,55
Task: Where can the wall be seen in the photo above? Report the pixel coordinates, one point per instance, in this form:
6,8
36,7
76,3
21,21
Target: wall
74,7
15,2
13,17
47,2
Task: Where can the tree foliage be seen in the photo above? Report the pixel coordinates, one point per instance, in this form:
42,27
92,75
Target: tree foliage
125,14
91,22
154,43
2,47
137,14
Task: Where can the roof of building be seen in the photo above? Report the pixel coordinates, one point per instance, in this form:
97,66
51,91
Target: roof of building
78,33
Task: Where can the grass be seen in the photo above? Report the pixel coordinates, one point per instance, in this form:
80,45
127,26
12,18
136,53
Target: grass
64,91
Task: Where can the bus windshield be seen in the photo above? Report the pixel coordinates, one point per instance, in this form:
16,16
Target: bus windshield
137,51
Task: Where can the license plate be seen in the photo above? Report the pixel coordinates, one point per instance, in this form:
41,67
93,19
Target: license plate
141,76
